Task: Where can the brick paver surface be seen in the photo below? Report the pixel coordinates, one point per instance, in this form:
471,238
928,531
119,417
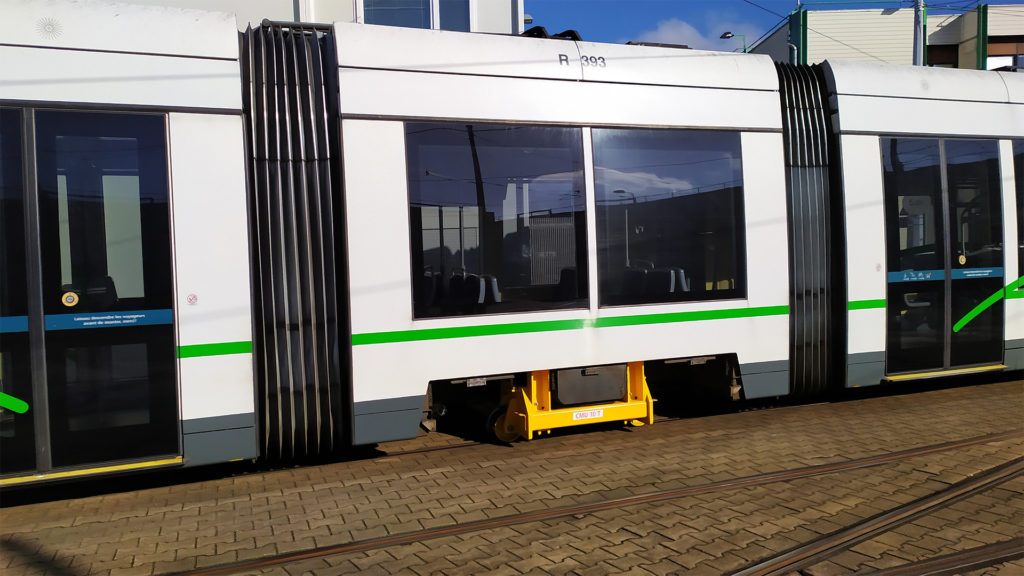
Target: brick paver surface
209,523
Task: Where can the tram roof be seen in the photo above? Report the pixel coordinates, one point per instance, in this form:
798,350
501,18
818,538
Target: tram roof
124,28
444,52
850,77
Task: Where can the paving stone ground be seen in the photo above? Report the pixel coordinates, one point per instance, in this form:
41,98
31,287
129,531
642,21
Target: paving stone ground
213,522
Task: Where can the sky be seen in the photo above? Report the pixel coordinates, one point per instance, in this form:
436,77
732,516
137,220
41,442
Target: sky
695,23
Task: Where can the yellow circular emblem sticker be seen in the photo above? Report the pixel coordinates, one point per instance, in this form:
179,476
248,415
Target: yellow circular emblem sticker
963,259
69,299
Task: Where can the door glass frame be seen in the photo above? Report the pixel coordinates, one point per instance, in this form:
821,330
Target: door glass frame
897,273
170,421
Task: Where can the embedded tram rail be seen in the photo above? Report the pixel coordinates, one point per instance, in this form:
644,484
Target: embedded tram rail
709,495
803,555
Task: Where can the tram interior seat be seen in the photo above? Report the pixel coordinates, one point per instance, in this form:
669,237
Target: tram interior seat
489,285
682,283
646,280
659,281
429,288
465,290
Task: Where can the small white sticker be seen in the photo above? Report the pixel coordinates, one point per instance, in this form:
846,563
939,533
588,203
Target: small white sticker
587,414
472,382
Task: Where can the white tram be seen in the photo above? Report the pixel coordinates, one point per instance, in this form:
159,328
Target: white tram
214,250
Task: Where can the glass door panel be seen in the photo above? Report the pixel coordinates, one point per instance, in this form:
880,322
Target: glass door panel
976,243
17,433
915,255
944,238
104,227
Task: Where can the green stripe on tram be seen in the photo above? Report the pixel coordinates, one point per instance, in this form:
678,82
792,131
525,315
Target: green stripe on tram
557,325
1009,292
16,405
216,349
865,304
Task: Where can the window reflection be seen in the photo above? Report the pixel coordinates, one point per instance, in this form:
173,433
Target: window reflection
976,238
103,188
914,194
17,434
669,215
915,254
976,225
498,222
1018,169
104,227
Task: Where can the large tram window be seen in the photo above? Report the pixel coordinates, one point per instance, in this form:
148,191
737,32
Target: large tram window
669,215
497,218
17,437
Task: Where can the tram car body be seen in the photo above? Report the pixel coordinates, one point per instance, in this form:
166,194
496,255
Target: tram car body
217,249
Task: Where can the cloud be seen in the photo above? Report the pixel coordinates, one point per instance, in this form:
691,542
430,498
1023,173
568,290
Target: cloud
676,31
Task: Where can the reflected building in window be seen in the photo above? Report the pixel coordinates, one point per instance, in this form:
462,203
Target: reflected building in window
669,215
498,221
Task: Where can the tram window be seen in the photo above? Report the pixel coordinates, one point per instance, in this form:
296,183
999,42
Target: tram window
498,219
913,188
669,216
103,187
1018,170
975,203
17,435
12,220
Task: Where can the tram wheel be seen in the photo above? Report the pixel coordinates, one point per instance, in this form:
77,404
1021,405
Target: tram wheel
497,429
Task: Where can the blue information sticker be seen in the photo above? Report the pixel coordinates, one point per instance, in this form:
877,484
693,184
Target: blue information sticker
977,273
109,319
916,276
13,324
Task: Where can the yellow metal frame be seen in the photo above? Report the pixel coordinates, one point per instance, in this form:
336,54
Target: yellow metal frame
529,407
177,460
953,372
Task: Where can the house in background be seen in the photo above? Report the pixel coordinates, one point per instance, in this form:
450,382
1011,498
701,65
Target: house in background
489,16
988,37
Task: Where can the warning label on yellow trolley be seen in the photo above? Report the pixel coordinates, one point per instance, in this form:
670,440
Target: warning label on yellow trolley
588,414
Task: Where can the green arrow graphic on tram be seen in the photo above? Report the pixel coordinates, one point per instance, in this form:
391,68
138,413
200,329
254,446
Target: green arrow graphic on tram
13,404
1007,292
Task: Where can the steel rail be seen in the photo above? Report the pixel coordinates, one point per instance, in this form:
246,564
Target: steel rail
492,523
829,545
959,562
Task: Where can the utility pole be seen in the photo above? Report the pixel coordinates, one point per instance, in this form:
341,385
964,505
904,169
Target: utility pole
918,32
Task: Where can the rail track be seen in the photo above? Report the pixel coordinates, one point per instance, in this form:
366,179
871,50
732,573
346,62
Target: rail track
787,562
822,548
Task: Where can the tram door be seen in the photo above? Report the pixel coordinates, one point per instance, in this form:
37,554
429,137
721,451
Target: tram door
944,254
95,289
